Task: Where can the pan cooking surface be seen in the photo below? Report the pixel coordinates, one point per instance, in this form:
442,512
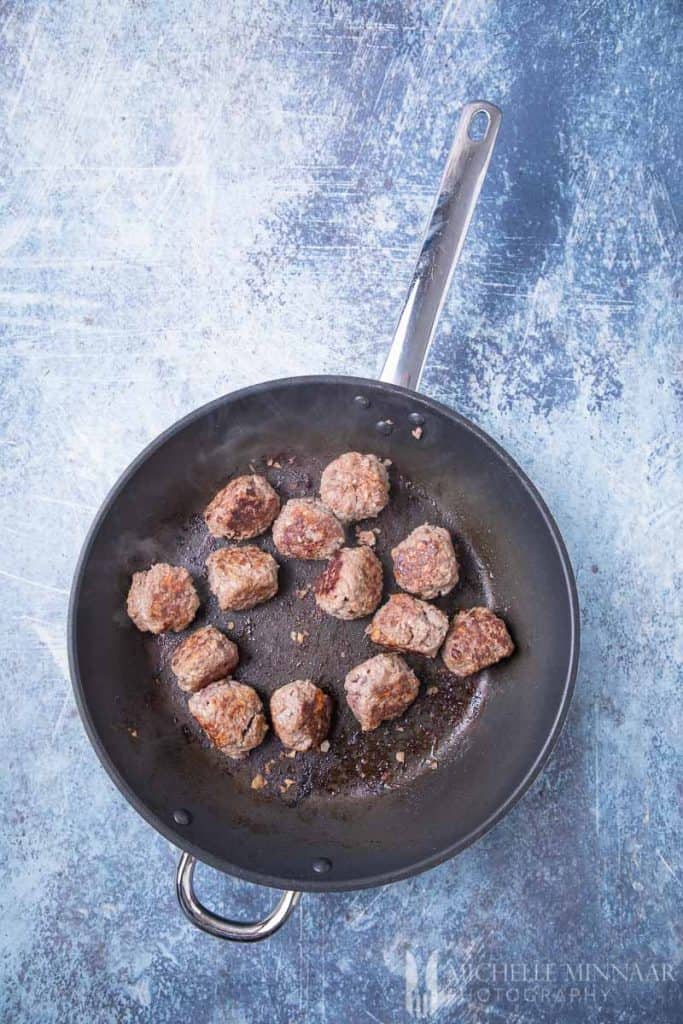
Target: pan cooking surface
357,763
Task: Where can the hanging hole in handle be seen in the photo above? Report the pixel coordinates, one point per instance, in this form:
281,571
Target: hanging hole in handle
478,127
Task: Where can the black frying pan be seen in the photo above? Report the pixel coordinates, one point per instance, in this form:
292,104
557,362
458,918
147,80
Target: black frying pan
356,816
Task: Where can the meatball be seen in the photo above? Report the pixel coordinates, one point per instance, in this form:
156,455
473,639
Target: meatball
205,656
408,624
162,598
425,562
301,714
307,529
242,577
381,688
351,585
231,715
243,509
477,639
355,486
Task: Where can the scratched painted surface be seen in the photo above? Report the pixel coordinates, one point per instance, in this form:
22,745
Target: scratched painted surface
199,196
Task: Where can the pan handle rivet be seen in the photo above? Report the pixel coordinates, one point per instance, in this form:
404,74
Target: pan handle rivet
322,865
182,817
417,418
385,426
362,401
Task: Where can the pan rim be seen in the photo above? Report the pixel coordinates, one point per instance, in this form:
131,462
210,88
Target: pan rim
315,885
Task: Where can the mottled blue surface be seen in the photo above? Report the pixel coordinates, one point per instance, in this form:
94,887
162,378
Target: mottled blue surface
198,196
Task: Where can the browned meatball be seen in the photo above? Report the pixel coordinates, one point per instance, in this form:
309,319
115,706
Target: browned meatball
231,715
206,655
381,688
408,624
351,585
307,529
242,577
425,562
301,714
243,509
162,598
477,639
355,486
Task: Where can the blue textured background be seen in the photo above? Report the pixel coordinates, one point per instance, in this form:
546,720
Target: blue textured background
198,196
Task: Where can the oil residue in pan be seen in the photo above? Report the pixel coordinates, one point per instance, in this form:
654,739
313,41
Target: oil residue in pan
289,638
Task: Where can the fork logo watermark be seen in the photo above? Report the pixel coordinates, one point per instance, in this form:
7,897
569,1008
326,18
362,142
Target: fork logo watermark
431,985
422,994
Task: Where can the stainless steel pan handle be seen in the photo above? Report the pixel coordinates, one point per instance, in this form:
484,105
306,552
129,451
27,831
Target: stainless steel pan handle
459,190
222,927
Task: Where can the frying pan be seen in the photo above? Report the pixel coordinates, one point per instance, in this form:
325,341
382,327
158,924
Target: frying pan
357,815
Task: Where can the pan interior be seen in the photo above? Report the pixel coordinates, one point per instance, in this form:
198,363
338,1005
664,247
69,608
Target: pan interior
469,746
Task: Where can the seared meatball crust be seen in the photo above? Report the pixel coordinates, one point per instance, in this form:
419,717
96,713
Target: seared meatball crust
162,599
301,714
307,529
477,638
231,715
243,509
351,585
425,562
242,577
381,688
407,624
355,486
205,656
